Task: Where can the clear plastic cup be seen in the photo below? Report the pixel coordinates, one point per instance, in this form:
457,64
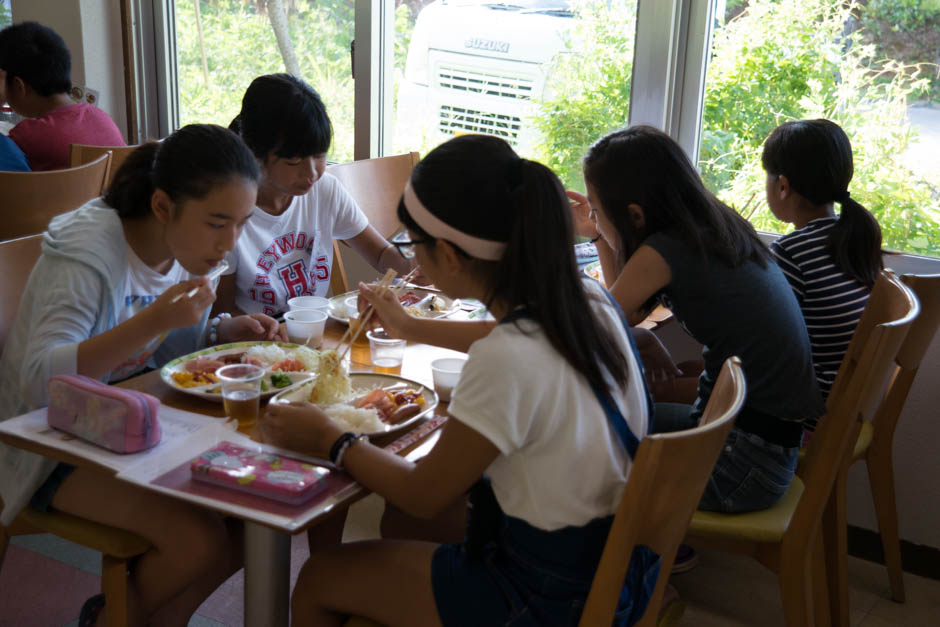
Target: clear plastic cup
446,373
304,324
241,393
387,352
308,302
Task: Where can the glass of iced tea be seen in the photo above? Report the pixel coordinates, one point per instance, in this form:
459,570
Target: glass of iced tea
241,393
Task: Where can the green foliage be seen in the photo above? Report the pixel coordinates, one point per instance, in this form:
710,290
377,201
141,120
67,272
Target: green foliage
790,59
905,15
779,60
591,85
6,18
240,45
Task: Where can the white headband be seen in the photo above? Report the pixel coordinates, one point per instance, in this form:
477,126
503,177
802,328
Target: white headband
433,226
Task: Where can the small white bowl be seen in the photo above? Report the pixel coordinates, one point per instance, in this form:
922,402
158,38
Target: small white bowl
308,302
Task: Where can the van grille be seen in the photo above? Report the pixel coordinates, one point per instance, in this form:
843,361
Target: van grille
485,83
458,121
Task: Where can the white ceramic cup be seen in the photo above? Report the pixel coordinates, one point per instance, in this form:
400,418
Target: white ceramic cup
308,302
305,323
446,373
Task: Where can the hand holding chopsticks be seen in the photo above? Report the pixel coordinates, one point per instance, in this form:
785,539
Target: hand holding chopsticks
215,273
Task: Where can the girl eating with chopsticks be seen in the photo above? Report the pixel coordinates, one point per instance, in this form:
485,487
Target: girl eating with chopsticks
287,247
556,385
664,237
120,288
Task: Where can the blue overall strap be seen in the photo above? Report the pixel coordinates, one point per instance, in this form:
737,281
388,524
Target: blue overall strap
613,413
650,405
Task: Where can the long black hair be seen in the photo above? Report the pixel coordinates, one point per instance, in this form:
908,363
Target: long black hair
186,165
816,158
479,186
283,114
644,166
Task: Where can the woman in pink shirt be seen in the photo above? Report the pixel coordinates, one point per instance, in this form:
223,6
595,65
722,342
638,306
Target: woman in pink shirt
35,79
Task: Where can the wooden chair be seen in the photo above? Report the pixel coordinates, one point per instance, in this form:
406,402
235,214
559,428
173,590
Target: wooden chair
875,445
786,538
665,485
80,154
376,185
117,547
29,200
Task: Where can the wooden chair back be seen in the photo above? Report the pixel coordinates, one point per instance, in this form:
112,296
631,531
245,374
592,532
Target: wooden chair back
866,367
17,258
909,357
376,185
29,200
80,154
665,485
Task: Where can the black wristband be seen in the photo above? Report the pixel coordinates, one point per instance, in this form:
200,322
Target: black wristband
595,239
338,445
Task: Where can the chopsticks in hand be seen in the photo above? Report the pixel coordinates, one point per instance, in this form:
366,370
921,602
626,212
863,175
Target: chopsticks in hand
367,314
215,273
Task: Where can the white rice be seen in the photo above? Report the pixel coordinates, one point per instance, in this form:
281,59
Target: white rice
353,419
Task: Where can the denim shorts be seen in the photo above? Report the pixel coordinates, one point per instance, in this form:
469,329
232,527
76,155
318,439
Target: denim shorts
751,473
520,581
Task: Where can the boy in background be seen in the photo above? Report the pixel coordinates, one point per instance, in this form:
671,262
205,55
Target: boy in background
35,69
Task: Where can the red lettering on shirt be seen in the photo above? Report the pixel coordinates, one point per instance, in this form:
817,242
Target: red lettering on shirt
262,279
285,243
294,278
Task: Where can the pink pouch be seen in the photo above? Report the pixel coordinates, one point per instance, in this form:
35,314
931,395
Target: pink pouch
263,474
124,421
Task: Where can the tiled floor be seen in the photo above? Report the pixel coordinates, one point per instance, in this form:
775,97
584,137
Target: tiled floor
44,582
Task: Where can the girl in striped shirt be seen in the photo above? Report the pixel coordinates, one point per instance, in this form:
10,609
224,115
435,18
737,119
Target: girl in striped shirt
831,261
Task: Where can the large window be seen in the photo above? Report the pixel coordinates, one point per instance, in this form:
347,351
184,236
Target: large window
548,76
223,44
871,68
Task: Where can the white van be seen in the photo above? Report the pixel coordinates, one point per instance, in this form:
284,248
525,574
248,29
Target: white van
477,67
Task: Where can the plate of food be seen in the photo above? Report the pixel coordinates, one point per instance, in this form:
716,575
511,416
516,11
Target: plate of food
286,365
418,301
364,402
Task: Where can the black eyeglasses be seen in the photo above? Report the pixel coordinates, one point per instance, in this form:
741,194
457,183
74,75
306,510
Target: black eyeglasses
406,247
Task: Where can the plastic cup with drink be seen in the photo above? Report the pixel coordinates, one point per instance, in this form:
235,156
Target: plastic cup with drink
241,393
387,352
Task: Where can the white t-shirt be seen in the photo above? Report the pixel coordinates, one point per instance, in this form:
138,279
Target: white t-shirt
142,285
279,257
561,463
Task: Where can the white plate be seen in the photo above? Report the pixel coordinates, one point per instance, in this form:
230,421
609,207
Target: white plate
450,305
213,391
363,383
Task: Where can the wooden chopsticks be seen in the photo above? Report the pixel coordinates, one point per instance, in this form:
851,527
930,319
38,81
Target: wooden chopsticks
367,314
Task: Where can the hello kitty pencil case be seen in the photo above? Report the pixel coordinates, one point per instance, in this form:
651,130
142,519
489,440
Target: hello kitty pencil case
120,420
257,472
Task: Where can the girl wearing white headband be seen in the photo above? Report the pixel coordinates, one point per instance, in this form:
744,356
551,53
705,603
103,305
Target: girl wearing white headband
529,406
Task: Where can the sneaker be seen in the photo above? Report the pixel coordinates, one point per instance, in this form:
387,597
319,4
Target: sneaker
686,559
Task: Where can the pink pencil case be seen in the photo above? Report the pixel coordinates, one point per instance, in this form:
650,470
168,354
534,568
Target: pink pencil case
123,421
263,474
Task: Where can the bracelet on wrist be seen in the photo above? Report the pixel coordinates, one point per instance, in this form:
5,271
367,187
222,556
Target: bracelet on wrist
342,444
214,327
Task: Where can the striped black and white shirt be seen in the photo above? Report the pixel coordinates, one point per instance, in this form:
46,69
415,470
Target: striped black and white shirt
831,300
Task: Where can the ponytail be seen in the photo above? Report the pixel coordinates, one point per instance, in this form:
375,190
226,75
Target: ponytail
855,242
479,186
186,165
132,186
816,158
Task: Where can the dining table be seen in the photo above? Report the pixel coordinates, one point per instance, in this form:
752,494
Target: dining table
267,537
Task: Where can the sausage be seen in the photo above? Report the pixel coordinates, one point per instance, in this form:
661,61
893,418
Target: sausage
203,364
403,412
